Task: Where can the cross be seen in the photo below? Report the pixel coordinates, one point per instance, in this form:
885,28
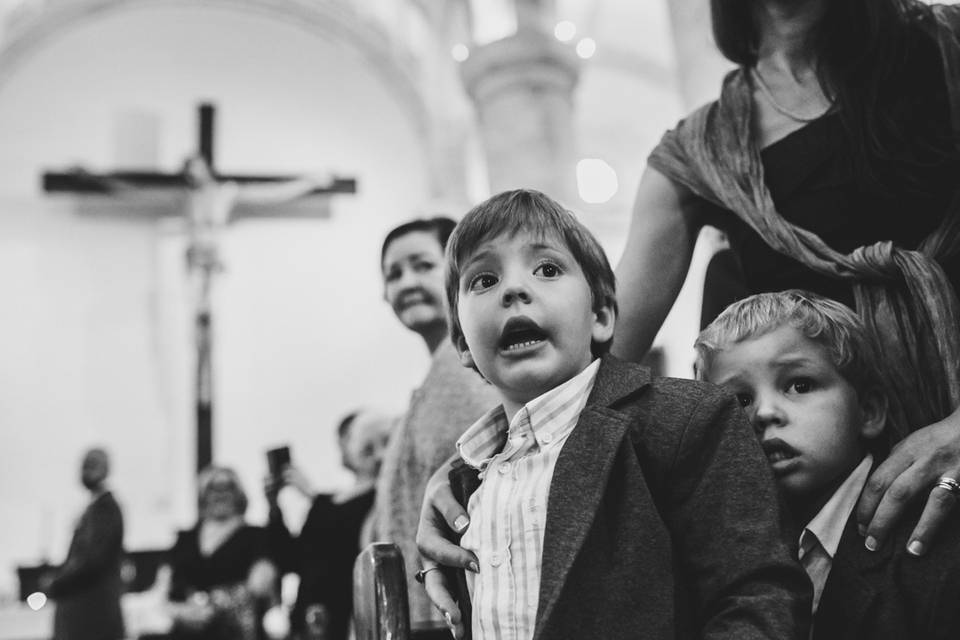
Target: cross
213,200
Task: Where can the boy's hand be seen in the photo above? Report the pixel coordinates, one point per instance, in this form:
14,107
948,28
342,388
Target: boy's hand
914,466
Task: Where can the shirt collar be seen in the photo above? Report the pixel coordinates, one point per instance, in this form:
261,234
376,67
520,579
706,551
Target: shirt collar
827,526
550,416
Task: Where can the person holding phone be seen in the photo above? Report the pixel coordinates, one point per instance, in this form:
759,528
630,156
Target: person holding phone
329,541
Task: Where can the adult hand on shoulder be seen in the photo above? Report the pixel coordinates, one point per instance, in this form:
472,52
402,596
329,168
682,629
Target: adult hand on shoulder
441,516
914,466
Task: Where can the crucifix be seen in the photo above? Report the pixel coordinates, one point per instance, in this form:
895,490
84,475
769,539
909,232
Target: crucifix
212,202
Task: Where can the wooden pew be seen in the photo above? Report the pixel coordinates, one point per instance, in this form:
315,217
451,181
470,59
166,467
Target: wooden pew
380,609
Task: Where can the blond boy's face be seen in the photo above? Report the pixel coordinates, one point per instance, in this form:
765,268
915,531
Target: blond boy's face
527,316
810,421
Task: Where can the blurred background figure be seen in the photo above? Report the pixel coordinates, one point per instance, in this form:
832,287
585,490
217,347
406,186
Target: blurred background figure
323,554
87,586
222,577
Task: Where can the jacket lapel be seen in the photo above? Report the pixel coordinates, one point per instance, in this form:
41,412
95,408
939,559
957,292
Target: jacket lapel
849,591
580,477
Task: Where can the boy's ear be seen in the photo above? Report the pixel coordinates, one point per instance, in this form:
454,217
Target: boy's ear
466,358
604,319
874,406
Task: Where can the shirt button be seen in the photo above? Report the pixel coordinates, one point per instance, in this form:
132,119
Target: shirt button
547,438
504,468
496,559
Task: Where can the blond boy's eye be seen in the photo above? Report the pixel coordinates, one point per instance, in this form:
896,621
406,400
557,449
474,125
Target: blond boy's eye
744,399
802,385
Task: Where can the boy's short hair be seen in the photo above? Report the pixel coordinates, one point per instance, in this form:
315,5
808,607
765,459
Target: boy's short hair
827,322
534,212
440,226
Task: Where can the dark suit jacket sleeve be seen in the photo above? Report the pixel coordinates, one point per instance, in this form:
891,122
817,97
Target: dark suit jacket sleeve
724,519
95,549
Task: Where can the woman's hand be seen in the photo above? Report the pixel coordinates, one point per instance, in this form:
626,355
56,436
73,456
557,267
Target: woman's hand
194,614
295,478
261,579
441,516
914,466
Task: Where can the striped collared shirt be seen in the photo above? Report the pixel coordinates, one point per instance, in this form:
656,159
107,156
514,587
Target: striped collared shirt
508,512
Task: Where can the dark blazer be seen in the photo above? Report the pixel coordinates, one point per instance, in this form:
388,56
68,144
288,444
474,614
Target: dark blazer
888,594
87,586
663,521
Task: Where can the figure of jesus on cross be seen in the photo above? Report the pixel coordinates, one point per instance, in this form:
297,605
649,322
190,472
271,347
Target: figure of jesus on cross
212,202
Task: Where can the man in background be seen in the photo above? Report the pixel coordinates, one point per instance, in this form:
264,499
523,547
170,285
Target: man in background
87,586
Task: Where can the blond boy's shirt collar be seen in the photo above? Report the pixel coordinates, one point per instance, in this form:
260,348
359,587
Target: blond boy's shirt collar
549,416
821,537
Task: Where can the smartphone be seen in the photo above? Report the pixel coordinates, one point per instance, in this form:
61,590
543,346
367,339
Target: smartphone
277,459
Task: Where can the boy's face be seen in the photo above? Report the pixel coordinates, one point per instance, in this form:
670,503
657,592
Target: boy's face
413,280
808,416
527,315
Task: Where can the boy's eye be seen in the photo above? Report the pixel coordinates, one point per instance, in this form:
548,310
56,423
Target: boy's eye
482,281
423,267
547,270
744,399
801,385
393,275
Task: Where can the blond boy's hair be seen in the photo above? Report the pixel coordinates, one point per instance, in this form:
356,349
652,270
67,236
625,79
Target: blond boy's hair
827,322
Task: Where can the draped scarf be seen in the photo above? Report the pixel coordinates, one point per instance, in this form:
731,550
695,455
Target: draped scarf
903,296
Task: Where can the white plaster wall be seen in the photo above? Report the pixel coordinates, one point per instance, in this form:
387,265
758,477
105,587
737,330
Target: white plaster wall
95,327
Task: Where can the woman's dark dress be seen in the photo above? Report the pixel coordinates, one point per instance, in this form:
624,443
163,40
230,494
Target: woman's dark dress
813,183
229,565
323,556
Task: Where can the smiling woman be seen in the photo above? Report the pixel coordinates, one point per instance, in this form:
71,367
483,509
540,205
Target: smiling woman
223,579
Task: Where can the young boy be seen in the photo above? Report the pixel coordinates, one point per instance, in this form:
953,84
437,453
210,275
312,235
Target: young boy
612,504
807,375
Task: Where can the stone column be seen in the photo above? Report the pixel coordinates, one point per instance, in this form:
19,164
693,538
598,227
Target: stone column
522,89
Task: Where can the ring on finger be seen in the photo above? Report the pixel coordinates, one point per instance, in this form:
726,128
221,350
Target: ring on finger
949,484
421,576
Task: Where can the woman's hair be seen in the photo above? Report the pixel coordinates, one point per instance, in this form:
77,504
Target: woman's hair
862,48
212,473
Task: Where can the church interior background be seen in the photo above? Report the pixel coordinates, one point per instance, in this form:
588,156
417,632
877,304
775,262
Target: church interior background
431,105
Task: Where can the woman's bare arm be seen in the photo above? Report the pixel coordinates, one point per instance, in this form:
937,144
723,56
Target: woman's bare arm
663,231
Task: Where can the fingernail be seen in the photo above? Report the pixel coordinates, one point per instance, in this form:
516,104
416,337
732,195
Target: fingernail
461,523
862,529
870,543
446,616
915,548
474,567
453,632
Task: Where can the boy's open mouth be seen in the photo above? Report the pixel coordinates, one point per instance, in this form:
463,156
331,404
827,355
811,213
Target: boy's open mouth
519,333
777,450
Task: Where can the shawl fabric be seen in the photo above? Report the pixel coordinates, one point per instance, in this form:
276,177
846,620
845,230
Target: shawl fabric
903,296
